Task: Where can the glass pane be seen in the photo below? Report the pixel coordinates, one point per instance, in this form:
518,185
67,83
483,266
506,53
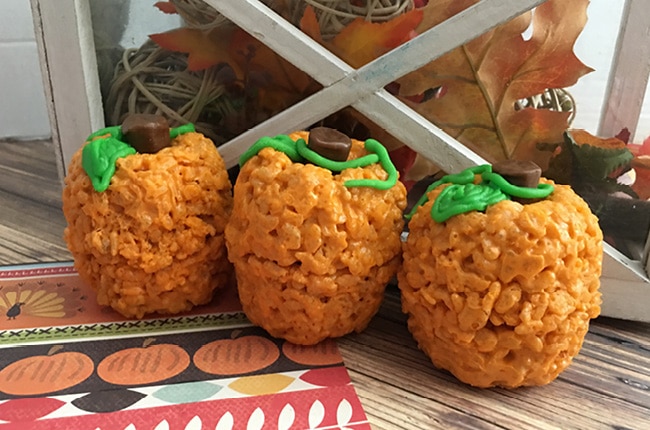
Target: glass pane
621,200
511,93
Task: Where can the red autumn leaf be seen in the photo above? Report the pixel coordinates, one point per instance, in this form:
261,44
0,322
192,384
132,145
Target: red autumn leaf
166,7
204,49
362,41
403,158
483,79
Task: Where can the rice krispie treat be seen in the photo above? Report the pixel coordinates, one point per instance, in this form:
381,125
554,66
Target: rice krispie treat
500,292
315,233
146,208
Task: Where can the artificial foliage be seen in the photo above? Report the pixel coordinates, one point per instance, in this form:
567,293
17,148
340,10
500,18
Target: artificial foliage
361,41
586,162
479,83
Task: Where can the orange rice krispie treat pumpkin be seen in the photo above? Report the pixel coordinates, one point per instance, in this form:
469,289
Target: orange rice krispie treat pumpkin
315,233
500,292
146,207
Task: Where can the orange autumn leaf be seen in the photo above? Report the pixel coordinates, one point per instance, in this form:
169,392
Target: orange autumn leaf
362,41
272,83
482,80
309,25
204,49
254,56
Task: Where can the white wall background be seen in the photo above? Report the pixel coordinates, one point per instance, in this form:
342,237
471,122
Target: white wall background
22,102
595,47
23,112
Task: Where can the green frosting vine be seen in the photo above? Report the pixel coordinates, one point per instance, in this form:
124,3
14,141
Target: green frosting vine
281,143
181,129
105,146
464,196
299,152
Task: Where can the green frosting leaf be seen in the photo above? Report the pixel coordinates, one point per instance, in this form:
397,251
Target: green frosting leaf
114,131
457,199
461,178
98,160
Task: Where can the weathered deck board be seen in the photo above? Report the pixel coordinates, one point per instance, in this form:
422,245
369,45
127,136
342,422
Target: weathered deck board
606,387
31,219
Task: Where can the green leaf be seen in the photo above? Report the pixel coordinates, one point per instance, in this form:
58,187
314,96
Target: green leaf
596,163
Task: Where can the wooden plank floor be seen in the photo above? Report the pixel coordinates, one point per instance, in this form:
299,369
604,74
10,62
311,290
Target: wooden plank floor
606,387
31,218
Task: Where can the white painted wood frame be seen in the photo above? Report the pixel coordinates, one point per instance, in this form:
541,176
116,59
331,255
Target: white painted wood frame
64,36
625,284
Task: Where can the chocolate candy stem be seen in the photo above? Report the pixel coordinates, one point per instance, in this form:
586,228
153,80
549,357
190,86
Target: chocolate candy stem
330,143
147,133
520,173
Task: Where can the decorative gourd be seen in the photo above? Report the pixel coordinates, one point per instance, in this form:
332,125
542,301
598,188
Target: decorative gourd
237,355
145,365
42,374
322,354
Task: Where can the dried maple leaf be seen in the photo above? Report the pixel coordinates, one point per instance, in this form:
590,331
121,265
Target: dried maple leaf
255,57
277,84
204,48
272,83
481,81
362,41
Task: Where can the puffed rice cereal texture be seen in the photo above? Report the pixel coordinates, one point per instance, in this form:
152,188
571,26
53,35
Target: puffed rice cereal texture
153,241
504,297
312,257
